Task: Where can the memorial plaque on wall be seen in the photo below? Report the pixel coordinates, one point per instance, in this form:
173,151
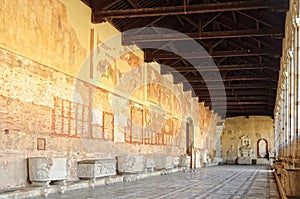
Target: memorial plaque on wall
137,125
108,126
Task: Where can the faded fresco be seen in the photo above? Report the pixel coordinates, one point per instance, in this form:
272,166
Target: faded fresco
40,30
46,111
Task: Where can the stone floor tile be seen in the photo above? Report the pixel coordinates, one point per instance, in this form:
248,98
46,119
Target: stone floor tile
227,181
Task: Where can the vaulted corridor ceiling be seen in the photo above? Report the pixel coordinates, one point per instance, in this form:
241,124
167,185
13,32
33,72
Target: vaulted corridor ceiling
244,39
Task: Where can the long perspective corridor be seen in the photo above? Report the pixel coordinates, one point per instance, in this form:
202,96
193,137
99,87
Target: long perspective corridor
149,99
231,182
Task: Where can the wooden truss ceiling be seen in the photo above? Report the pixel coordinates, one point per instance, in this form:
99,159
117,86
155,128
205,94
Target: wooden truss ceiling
244,39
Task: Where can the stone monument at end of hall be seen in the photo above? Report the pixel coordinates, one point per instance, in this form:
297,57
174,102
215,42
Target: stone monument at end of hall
245,151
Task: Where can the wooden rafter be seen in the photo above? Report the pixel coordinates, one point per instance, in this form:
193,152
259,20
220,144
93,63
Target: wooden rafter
240,93
245,43
188,9
228,78
223,67
149,56
129,39
237,86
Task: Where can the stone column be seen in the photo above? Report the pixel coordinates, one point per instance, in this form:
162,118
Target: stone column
291,107
219,130
297,84
282,121
288,108
285,112
279,116
295,88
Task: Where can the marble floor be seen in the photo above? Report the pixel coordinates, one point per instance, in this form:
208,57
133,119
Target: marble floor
228,181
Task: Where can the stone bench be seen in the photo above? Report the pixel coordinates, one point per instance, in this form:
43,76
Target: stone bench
97,168
130,164
44,170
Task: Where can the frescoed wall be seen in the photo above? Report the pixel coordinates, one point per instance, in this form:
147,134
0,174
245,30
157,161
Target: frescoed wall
64,92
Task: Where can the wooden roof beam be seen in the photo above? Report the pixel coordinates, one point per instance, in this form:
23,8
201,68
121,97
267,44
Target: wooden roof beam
102,5
228,78
237,96
241,103
237,114
223,67
268,41
188,9
267,19
245,107
250,109
240,93
237,86
129,39
150,57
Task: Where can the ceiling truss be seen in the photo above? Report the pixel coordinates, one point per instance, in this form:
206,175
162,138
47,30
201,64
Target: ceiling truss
243,38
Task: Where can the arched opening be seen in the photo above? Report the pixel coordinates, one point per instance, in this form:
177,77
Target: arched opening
262,148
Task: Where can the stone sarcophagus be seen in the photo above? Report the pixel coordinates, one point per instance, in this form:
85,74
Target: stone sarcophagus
149,164
185,161
176,161
97,168
130,163
164,162
43,170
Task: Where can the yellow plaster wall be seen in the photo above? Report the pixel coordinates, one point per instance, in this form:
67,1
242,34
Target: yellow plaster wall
43,45
42,32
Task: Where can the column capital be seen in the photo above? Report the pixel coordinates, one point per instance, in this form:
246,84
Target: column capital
296,22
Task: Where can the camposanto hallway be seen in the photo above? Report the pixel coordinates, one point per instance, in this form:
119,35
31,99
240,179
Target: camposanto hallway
106,89
212,182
